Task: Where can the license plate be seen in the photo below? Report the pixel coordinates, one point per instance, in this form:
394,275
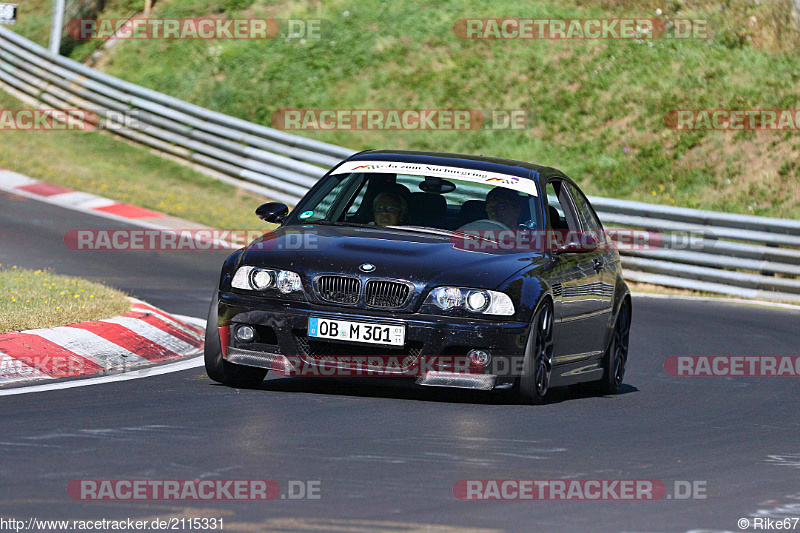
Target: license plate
344,330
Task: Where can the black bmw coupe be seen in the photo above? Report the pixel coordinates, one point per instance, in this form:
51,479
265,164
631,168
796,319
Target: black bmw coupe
451,270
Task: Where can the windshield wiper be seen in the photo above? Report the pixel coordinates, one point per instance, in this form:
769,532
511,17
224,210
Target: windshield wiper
324,222
447,233
425,229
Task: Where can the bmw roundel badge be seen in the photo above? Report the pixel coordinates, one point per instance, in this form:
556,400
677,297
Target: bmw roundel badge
367,267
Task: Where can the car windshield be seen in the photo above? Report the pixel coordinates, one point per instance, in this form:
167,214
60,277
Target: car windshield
417,200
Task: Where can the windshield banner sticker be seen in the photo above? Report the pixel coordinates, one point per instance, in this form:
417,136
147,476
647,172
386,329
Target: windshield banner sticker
440,171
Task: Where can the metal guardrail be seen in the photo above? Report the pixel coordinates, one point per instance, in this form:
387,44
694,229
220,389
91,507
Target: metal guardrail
739,255
277,163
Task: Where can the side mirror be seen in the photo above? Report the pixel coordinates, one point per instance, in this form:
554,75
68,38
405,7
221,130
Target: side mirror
273,212
569,248
586,243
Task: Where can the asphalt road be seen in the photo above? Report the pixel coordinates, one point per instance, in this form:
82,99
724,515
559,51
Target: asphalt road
387,457
32,236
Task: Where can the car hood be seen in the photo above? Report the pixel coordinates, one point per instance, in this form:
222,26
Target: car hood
424,259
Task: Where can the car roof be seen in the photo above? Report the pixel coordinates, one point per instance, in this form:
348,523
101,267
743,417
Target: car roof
476,162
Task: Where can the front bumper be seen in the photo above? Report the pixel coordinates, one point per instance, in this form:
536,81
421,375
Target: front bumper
281,335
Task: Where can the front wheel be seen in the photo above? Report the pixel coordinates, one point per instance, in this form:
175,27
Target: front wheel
538,362
217,367
616,356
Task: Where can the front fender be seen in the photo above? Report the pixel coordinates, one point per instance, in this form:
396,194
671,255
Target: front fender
526,290
229,267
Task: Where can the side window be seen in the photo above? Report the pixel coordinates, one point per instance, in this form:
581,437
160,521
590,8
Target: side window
323,200
346,189
560,213
356,203
586,214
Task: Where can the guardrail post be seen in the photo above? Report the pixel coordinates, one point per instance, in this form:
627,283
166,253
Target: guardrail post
57,23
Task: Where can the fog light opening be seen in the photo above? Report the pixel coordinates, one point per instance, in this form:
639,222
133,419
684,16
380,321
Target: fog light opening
245,333
479,357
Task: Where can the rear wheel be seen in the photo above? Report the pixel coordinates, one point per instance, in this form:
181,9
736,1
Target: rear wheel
538,362
616,356
217,367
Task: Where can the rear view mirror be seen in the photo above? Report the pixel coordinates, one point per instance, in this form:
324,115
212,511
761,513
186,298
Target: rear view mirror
436,185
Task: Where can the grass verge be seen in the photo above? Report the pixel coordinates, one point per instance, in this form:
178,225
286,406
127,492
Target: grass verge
649,288
40,299
99,163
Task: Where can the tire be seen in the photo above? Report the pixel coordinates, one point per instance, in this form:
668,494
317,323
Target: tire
616,357
538,362
217,367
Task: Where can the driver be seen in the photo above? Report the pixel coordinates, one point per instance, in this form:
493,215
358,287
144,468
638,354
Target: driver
389,209
504,206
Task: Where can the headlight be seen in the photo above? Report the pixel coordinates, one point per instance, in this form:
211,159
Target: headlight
477,301
259,279
447,297
289,282
473,300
